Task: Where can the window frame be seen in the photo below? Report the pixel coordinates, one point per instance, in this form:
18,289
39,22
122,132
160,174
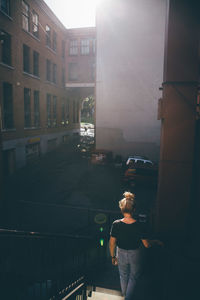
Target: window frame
36,63
7,9
93,46
48,36
54,111
73,47
27,107
35,24
48,110
63,79
7,108
85,46
36,99
54,41
25,16
6,48
65,112
26,59
54,73
48,70
63,48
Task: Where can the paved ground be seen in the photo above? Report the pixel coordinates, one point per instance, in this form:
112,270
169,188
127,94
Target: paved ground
67,177
63,185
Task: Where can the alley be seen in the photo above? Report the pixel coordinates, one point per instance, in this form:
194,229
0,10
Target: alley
67,178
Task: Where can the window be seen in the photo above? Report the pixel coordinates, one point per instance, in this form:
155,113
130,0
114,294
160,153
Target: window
93,70
35,24
63,49
54,79
35,63
65,112
54,41
48,70
63,77
48,110
94,45
74,111
25,16
77,111
85,47
54,111
73,71
5,6
48,36
5,39
7,106
36,109
73,47
27,108
26,59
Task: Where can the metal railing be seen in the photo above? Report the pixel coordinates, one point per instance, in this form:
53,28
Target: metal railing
41,266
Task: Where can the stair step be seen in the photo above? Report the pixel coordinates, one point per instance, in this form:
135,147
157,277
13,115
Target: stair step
106,294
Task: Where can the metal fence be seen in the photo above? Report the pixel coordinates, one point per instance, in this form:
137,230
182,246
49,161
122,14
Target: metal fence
42,266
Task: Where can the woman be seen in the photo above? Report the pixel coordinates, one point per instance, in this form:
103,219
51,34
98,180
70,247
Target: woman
126,234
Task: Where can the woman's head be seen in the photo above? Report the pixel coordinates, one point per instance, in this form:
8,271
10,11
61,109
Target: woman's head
127,204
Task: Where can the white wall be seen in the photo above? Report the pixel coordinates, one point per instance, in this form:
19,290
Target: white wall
130,54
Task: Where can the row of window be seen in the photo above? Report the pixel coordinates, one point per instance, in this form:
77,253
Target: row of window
31,24
32,109
84,47
51,68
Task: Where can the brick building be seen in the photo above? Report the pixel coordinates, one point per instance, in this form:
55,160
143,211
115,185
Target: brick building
37,112
81,63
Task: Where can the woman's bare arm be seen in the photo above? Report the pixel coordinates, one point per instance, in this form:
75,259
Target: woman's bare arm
112,246
146,243
149,243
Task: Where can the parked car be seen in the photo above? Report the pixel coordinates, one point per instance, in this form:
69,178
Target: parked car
139,160
140,171
101,156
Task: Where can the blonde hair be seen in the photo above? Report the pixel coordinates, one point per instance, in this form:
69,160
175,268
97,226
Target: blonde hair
127,204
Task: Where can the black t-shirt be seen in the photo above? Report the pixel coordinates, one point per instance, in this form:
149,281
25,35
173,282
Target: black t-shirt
128,236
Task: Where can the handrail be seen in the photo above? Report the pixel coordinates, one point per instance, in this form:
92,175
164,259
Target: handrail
71,206
72,289
31,234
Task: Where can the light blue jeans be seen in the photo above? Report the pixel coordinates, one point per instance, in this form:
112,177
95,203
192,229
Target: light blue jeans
130,264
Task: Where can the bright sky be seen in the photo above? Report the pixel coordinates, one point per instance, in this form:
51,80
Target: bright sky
74,13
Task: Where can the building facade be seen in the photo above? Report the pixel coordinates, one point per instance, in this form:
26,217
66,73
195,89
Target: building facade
130,53
178,198
81,64
37,111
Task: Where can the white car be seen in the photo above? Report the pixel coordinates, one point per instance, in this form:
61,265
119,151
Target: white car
139,160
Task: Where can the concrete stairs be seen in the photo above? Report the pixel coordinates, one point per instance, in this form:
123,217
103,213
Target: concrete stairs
106,294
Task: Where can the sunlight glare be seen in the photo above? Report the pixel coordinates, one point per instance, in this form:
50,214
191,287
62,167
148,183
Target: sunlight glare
75,13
